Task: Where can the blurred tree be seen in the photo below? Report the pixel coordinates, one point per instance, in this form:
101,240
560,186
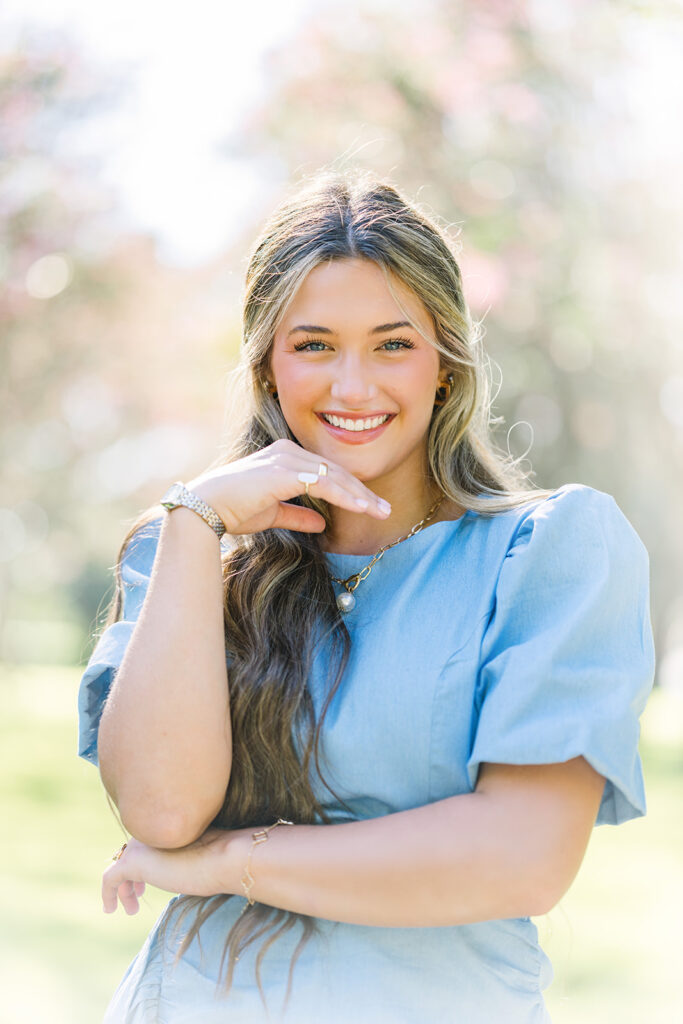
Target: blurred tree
96,403
514,121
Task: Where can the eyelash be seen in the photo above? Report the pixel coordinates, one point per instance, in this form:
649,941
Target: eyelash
303,345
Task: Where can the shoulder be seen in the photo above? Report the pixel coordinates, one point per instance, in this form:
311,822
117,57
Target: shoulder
575,513
570,511
578,537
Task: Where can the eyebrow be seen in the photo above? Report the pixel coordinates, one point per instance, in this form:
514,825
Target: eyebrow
316,329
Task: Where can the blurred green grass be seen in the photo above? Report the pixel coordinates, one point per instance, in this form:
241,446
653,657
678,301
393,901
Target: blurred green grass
614,939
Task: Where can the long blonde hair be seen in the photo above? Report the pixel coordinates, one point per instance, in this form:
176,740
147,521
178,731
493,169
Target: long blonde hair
278,597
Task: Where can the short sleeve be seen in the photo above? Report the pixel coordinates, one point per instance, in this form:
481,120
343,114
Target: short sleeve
567,660
136,570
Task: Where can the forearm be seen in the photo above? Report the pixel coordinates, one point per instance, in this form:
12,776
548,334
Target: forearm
164,740
456,861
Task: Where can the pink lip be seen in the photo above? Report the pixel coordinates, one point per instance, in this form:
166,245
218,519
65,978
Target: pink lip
355,437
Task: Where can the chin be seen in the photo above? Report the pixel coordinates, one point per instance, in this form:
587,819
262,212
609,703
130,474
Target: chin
368,470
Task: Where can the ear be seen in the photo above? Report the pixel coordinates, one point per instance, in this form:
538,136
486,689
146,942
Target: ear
267,378
444,390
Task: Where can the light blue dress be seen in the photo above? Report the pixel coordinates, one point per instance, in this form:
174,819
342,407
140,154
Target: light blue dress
524,638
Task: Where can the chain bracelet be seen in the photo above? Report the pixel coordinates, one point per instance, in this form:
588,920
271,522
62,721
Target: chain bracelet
257,837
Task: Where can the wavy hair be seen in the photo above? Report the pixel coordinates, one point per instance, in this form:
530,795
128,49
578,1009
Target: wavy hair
279,602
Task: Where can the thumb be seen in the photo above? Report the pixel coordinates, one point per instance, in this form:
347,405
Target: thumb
298,518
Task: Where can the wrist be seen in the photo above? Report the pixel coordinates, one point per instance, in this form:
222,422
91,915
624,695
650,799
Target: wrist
205,487
232,860
180,496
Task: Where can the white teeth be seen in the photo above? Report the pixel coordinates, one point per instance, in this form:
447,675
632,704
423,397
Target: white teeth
368,424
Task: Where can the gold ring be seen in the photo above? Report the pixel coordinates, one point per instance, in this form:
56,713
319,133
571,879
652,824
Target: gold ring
118,853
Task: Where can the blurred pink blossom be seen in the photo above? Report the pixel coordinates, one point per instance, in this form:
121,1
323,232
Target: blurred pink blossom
485,280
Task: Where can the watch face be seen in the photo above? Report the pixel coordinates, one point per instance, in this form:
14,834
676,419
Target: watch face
171,499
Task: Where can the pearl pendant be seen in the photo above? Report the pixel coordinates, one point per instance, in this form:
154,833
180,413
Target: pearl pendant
346,602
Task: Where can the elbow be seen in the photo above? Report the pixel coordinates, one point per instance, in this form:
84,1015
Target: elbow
545,888
540,900
519,896
166,828
527,888
160,819
167,831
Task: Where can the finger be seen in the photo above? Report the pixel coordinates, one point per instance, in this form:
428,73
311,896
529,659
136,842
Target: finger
109,892
139,888
350,494
324,485
128,897
115,888
364,499
298,518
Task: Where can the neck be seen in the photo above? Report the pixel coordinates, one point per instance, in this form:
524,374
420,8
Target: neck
361,534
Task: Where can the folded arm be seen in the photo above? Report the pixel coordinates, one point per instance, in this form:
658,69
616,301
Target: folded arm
509,849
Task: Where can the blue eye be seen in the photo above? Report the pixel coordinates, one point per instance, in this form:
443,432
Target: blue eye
308,346
403,342
303,346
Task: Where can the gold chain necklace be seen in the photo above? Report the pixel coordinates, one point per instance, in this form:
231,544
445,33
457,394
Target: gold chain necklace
346,602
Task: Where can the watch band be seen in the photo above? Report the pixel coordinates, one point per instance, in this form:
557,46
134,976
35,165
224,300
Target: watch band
178,494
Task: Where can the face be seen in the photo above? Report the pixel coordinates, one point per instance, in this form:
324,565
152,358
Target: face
355,381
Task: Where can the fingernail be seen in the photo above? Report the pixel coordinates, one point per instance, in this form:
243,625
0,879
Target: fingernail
361,502
384,506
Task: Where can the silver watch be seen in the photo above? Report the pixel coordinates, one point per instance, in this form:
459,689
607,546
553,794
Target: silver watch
178,494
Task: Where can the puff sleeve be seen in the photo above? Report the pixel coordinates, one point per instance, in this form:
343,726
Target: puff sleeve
567,659
136,570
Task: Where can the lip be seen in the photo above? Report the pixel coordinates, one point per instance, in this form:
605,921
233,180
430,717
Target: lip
355,437
354,415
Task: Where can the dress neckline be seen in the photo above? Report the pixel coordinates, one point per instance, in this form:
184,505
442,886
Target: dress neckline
418,540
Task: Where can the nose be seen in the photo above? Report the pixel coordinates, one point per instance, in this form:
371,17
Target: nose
353,384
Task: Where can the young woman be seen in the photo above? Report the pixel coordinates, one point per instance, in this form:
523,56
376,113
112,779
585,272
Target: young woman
364,691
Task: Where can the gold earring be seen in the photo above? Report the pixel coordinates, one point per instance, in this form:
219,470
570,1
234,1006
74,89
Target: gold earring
444,391
270,388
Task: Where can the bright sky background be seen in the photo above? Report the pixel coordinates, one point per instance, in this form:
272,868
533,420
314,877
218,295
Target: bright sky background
193,67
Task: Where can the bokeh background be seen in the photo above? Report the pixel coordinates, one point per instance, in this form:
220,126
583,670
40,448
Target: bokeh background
141,146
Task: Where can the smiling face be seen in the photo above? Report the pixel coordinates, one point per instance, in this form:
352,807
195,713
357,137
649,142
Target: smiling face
355,381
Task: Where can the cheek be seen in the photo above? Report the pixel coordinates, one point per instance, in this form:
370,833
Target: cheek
286,373
298,393
418,384
297,386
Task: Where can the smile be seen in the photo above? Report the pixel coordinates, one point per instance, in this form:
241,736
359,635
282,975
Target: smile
357,430
370,423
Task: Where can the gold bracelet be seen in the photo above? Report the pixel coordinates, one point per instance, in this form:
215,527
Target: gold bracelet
257,837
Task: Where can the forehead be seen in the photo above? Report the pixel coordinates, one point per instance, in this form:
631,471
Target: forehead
349,294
